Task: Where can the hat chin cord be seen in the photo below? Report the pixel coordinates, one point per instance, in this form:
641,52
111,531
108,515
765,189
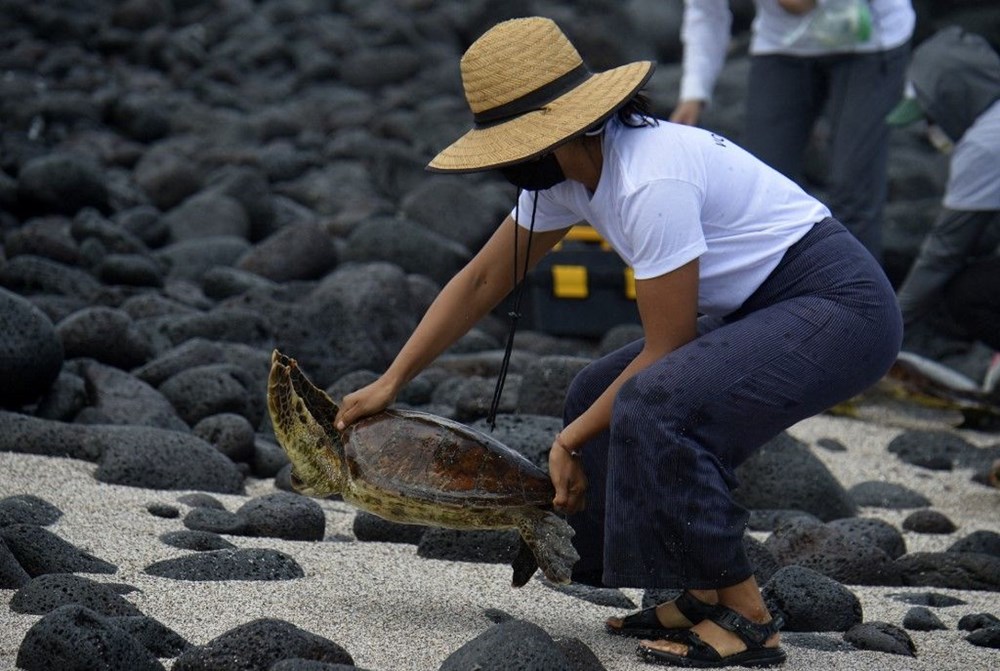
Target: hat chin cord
515,313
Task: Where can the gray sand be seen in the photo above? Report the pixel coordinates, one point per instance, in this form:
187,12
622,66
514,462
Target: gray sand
394,611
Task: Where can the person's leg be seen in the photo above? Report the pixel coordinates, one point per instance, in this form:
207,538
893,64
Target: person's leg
682,426
973,299
863,90
784,98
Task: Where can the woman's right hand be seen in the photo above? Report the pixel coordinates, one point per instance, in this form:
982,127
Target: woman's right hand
368,400
688,112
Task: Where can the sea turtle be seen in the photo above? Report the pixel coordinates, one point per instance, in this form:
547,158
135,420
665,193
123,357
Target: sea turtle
418,468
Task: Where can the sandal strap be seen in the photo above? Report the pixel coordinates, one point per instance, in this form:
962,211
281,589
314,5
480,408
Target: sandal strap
693,608
698,649
753,635
645,618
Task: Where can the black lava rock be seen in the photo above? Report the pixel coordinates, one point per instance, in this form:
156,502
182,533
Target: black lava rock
848,559
231,434
974,621
12,574
369,527
284,515
27,509
163,510
769,520
930,599
881,637
887,495
928,522
982,541
31,353
62,183
161,459
40,551
258,645
810,601
484,547
246,564
875,531
951,570
48,592
199,541
156,637
919,618
987,637
514,644
78,639
214,520
785,475
106,334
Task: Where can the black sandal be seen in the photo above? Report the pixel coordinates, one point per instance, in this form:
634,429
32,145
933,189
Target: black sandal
645,624
702,655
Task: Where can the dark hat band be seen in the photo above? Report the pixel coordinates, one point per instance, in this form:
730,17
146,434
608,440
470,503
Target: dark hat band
533,100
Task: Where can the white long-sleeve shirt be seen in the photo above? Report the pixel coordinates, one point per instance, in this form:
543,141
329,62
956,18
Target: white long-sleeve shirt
706,31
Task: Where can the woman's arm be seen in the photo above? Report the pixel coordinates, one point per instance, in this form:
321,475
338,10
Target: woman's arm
467,298
705,33
668,308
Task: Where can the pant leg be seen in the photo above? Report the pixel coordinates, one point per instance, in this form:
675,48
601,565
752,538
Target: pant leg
824,327
785,95
586,387
863,90
973,299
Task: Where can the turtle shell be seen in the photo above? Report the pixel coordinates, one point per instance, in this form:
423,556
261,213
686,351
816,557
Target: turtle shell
430,458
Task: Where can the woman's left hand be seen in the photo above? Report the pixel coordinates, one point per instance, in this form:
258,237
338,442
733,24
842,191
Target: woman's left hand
568,478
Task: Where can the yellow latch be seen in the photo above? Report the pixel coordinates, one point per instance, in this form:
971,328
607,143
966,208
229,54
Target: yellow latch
569,281
583,233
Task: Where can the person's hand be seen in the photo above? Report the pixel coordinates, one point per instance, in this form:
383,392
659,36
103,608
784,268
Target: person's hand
365,401
797,6
688,112
568,479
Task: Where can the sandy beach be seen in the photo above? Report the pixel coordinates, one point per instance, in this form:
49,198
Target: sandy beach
394,611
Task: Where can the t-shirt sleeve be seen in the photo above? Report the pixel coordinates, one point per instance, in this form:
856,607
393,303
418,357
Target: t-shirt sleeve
550,214
974,180
663,219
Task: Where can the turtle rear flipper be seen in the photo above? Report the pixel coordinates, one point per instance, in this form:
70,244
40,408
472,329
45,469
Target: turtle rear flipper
549,538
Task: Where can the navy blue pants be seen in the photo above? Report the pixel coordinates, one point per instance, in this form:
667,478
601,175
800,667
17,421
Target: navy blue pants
785,97
823,327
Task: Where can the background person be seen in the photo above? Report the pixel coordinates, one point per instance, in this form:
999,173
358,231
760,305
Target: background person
846,57
955,83
797,317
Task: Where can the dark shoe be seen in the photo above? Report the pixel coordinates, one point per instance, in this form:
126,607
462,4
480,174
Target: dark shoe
702,655
645,624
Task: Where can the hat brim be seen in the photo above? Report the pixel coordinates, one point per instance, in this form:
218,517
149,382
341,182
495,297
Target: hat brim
906,112
535,133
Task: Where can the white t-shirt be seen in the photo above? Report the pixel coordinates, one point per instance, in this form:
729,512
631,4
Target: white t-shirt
671,193
706,35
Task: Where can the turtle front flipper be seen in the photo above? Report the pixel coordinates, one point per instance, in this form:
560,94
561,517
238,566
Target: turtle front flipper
302,416
550,539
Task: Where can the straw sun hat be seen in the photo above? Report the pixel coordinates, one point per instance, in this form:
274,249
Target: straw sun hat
529,91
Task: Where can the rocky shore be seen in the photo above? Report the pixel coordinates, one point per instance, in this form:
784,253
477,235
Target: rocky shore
187,184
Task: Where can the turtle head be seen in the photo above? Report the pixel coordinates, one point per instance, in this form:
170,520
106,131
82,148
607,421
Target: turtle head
303,418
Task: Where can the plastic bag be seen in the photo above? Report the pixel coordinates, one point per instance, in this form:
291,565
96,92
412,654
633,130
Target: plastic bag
833,24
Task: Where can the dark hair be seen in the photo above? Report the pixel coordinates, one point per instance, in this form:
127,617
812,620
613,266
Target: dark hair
637,112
